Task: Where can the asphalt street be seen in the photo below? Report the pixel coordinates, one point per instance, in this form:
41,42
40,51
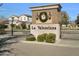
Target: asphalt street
66,47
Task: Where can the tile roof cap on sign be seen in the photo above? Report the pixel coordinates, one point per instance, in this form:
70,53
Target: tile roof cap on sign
47,5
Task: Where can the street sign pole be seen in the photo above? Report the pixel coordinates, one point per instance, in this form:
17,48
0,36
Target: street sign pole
12,26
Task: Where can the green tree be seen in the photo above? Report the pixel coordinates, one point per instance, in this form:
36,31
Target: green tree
77,20
2,26
64,18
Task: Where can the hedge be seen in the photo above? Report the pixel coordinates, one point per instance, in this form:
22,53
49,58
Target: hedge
2,31
50,38
28,27
2,26
23,26
18,27
42,37
32,38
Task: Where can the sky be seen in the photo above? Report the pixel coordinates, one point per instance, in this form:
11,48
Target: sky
9,9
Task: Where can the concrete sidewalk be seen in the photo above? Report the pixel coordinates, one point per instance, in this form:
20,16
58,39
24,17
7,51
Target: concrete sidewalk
63,43
6,37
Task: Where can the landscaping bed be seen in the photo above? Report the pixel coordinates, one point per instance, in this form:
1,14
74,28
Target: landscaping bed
49,38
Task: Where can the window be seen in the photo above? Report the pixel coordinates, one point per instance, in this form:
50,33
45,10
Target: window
24,18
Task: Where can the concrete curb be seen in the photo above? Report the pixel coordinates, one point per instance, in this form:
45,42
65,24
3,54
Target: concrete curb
51,44
8,37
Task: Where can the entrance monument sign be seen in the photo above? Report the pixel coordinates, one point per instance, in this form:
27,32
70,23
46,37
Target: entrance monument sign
45,19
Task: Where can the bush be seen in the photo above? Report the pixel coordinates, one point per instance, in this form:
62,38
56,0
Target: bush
23,26
42,37
28,27
13,25
50,38
2,31
18,27
2,26
32,38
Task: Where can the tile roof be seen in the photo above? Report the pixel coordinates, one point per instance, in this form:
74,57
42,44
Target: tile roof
47,5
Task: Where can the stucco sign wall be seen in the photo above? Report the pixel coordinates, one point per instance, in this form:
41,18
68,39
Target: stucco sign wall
37,29
45,19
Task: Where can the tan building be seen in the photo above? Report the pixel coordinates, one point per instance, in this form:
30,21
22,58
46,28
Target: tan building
2,22
46,14
15,20
19,20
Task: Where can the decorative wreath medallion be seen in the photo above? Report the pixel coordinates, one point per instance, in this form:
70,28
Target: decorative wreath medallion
43,17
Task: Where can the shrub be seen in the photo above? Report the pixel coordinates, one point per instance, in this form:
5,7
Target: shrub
32,38
28,27
2,31
18,27
78,25
2,26
50,38
23,26
42,37
13,25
